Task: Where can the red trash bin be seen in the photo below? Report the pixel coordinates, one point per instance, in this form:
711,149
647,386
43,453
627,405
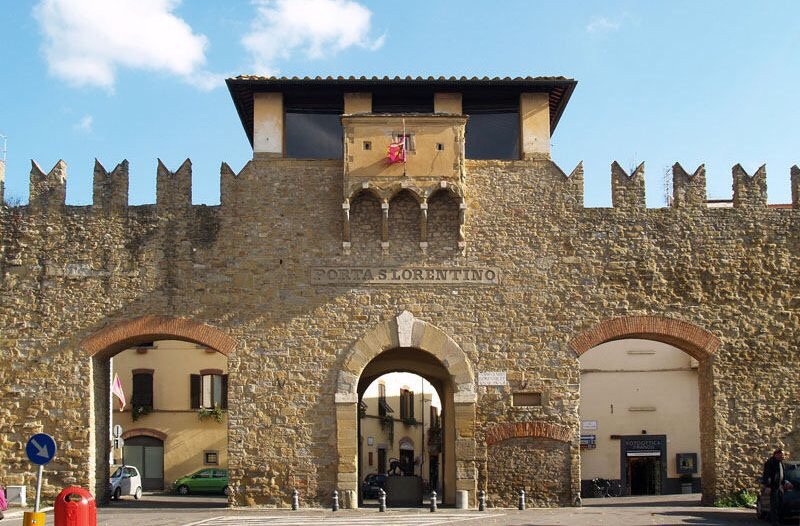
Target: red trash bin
75,506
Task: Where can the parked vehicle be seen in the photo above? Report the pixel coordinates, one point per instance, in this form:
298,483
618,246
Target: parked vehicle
373,483
791,497
125,481
209,480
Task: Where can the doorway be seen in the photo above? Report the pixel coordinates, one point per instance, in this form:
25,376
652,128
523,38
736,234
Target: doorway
644,475
147,455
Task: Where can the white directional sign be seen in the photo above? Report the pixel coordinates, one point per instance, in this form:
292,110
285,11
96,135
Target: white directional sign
117,431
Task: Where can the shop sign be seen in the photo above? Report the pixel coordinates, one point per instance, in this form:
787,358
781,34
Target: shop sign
588,441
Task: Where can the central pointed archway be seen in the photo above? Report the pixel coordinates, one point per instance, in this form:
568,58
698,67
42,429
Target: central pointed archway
388,341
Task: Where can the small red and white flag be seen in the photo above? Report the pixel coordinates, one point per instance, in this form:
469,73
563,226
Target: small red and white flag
116,390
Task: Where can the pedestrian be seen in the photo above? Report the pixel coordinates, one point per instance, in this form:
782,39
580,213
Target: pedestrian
775,483
3,502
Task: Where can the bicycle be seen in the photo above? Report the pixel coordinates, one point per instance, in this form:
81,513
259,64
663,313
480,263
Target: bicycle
606,488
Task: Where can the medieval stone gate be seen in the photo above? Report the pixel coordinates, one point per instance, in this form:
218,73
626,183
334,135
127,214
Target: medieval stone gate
313,274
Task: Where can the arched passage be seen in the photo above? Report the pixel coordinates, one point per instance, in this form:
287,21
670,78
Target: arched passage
113,339
695,341
390,339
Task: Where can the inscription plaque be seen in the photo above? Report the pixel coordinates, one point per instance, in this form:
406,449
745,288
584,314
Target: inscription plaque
492,378
405,275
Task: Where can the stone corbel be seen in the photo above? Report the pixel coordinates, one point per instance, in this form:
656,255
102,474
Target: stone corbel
385,225
346,226
423,225
462,220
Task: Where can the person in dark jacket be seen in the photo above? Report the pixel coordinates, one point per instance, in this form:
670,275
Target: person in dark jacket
774,480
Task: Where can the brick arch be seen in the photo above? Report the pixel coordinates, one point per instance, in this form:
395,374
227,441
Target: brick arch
695,341
146,432
535,429
119,336
407,331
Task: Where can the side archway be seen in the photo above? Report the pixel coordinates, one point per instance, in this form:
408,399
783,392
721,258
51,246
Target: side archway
105,343
695,341
407,332
112,339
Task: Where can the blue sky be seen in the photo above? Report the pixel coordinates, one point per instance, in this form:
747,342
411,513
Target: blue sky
715,82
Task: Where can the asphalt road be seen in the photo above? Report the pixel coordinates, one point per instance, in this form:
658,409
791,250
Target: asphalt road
155,510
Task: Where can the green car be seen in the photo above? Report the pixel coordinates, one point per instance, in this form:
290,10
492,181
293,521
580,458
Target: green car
210,480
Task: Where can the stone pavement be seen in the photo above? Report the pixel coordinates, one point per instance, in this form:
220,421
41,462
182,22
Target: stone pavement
634,511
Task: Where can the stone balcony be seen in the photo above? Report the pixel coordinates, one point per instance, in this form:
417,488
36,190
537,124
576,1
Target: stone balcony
435,156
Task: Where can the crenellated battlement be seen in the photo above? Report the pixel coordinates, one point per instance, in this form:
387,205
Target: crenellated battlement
48,191
627,191
688,190
749,191
110,189
174,188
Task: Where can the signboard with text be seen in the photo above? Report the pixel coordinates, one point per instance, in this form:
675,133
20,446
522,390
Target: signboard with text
492,378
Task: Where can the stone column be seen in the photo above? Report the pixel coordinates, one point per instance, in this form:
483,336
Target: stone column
267,125
357,103
462,220
346,226
447,103
347,445
465,450
534,117
423,225
385,225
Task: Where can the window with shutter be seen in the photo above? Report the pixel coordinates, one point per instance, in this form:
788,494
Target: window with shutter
209,390
194,391
142,395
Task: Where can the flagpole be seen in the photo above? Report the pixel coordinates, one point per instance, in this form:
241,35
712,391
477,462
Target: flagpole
405,148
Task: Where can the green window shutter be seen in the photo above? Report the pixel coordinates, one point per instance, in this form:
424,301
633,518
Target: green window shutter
224,391
194,390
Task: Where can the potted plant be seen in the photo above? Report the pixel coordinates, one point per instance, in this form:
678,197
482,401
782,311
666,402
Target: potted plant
138,411
216,413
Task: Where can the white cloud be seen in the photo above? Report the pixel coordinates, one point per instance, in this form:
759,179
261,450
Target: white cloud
602,24
318,28
86,41
84,124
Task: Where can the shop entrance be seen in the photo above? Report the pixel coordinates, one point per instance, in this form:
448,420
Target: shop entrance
644,475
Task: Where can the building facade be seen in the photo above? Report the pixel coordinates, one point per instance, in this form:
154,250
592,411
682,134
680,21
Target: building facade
175,421
473,263
640,418
400,429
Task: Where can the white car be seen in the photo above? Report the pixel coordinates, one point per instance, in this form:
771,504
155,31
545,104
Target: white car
125,481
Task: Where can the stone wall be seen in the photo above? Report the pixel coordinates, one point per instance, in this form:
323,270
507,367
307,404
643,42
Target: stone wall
540,466
246,269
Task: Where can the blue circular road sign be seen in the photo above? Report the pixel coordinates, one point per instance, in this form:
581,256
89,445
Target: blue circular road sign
41,448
